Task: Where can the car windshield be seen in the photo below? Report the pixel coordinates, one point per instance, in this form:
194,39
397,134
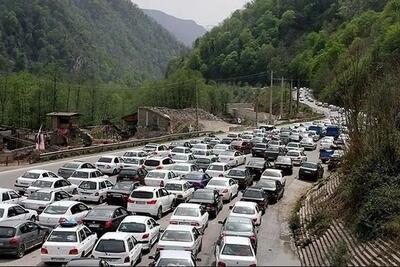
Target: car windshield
152,162
253,193
194,176
178,150
218,182
174,262
199,152
105,160
238,226
173,187
293,154
128,172
292,145
309,165
88,185
272,173
131,154
55,210
142,194
260,146
78,174
43,196
110,246
42,184
190,212
267,183
222,147
7,232
104,213
31,175
149,148
226,153
62,236
132,227
179,157
216,168
131,161
243,210
71,165
183,168
285,160
177,236
122,186
203,161
158,175
234,172
237,250
203,195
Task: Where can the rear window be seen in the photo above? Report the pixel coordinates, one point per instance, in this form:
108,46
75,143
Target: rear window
216,168
309,165
71,165
43,196
55,210
227,153
217,182
173,187
178,150
243,210
183,168
42,184
88,185
177,236
253,194
190,212
30,175
104,213
238,226
203,195
267,183
260,146
7,232
128,172
131,160
122,186
62,236
105,160
271,173
292,154
237,250
239,173
79,174
142,194
203,161
286,160
193,176
152,162
158,175
111,246
132,227
179,157
130,154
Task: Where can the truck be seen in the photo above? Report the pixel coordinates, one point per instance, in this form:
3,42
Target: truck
333,131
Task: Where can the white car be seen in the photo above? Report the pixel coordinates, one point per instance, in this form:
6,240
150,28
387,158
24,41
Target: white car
190,214
220,148
235,251
157,150
182,189
247,209
298,157
183,158
118,249
227,187
52,183
274,174
110,164
135,154
151,200
134,162
201,146
174,258
81,175
68,241
325,144
143,228
218,169
181,169
308,143
25,180
158,163
180,237
15,212
181,150
61,211
294,146
94,190
232,157
10,196
40,199
68,168
159,177
202,153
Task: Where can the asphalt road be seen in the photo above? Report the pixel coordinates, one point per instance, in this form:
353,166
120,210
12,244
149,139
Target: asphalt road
274,247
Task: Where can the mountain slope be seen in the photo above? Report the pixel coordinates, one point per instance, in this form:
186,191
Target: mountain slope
186,31
106,40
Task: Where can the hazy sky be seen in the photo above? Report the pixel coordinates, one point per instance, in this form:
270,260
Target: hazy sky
204,12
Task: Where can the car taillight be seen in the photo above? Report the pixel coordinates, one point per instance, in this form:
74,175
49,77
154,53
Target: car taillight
221,264
127,259
152,202
73,251
173,222
108,224
44,251
225,191
194,224
145,236
130,200
61,220
159,167
162,184
15,241
253,238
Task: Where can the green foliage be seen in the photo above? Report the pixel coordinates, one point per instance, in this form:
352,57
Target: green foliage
340,255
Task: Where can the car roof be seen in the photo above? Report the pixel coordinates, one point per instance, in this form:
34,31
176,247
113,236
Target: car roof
239,219
189,205
50,179
37,171
220,179
240,168
5,190
7,206
64,203
109,156
181,147
176,182
96,180
175,254
13,224
147,188
157,158
162,171
184,164
106,207
238,240
245,204
116,235
219,163
86,170
273,170
49,190
136,218
179,227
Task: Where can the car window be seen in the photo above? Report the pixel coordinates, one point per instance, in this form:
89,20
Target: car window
99,174
87,231
82,207
75,209
13,195
45,175
51,174
82,235
117,213
63,194
102,185
108,184
196,233
24,228
149,224
19,210
5,196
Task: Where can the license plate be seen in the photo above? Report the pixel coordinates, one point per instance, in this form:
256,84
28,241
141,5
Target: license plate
141,202
94,225
184,223
307,172
58,259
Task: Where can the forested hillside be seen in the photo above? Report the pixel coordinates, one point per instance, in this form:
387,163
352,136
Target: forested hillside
99,40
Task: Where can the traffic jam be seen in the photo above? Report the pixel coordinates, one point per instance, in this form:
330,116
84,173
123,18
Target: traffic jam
79,216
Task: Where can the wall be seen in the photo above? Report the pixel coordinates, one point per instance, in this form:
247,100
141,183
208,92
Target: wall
152,120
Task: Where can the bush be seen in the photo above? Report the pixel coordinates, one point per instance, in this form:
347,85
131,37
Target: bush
340,255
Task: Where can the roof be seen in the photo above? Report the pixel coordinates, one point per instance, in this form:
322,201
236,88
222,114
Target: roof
7,206
240,168
175,254
238,240
108,156
245,204
161,171
136,218
50,179
189,205
239,219
179,227
64,203
37,171
63,114
96,180
173,181
147,188
116,235
6,189
86,170
219,163
220,179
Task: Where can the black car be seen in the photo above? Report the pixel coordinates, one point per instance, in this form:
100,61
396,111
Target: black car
273,188
259,149
256,195
285,164
311,171
208,198
273,152
120,192
241,175
132,174
102,219
197,179
257,167
16,237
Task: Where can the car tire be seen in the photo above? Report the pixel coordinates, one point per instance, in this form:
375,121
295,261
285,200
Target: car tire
159,213
114,172
139,259
21,251
33,218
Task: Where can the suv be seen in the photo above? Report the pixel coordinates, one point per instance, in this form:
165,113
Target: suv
94,190
158,163
110,164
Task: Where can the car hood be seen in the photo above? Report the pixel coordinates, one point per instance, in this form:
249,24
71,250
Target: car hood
175,244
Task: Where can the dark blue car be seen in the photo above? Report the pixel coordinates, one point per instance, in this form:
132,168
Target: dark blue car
197,179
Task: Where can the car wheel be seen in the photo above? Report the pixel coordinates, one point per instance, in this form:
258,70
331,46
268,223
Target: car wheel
173,204
114,172
139,259
33,218
21,251
159,213
101,200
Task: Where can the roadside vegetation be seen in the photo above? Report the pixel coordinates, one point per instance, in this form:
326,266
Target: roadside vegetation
340,255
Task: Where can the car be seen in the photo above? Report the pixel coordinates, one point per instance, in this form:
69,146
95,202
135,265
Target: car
232,157
235,251
326,144
25,180
298,157
238,226
247,136
285,164
228,188
133,163
159,177
201,146
68,168
210,199
259,149
132,174
273,152
274,174
181,150
145,230
241,175
190,214
179,143
276,143
204,162
151,200
197,179
242,145
79,262
94,190
118,248
81,175
218,169
52,183
102,219
183,158
182,169
248,210
110,164
284,136
308,143
256,167
181,237
294,146
69,240
202,153
17,237
157,150
158,163
227,140
134,158
220,148
295,137
273,188
256,195
182,190
120,192
15,212
61,211
311,170
173,258
10,196
40,199
314,135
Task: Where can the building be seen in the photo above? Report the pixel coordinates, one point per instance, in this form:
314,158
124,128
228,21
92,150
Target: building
154,119
63,120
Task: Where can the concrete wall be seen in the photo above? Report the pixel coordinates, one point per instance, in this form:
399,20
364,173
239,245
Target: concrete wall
152,120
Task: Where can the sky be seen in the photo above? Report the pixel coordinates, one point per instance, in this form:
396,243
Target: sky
205,12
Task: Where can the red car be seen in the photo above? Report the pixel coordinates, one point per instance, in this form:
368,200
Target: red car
242,146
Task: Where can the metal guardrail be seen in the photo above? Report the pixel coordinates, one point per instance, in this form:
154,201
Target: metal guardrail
115,146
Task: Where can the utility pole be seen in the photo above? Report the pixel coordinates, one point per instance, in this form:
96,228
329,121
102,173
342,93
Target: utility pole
197,106
290,98
256,103
270,96
281,109
298,96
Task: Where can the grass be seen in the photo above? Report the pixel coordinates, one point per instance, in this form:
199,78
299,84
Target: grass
294,219
340,255
320,222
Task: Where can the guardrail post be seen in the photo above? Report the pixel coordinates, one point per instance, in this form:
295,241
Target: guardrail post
6,161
